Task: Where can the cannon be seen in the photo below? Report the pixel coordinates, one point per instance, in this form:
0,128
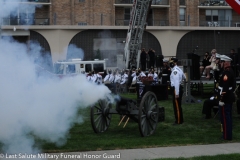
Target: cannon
144,111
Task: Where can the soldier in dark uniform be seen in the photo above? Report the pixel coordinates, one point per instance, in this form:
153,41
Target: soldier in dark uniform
152,57
234,62
143,58
226,87
166,71
214,100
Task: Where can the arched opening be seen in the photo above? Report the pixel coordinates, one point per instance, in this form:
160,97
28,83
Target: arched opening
45,58
107,44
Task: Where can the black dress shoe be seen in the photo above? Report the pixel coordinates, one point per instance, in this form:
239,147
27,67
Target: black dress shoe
174,124
208,117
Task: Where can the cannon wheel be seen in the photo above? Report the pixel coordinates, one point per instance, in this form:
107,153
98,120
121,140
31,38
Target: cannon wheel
100,117
148,114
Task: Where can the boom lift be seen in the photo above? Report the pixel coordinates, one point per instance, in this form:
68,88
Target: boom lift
137,25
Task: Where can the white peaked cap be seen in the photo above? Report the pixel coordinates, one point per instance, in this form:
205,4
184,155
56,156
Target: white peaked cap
218,55
225,58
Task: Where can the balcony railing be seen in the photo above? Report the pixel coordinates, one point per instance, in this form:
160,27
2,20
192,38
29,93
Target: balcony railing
160,23
222,23
121,22
213,3
154,2
123,1
160,2
40,1
25,21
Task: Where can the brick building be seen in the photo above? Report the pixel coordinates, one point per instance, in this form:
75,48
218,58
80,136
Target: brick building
174,27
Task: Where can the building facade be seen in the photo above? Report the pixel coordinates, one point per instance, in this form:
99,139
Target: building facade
99,27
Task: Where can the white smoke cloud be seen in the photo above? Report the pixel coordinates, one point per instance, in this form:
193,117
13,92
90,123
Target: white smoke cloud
74,52
33,106
7,7
15,8
36,106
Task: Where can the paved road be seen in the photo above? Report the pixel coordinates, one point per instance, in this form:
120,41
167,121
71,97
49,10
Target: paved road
151,153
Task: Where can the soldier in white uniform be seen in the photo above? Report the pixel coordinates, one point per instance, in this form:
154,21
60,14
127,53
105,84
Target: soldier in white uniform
118,77
107,77
94,77
176,77
124,78
99,78
112,84
89,76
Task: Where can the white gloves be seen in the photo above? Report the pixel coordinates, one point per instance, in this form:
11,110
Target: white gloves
221,103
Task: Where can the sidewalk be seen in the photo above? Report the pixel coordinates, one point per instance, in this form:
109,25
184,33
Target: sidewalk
153,153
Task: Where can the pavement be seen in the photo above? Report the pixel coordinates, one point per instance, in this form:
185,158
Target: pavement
150,153
135,154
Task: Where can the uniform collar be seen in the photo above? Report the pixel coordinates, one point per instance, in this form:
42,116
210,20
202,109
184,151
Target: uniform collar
227,68
175,67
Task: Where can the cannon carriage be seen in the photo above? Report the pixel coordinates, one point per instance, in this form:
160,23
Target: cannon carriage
145,111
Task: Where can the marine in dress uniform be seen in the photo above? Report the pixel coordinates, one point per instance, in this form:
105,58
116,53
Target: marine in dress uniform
226,87
213,101
176,77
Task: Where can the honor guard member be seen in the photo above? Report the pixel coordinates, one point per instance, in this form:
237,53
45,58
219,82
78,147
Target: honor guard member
89,76
117,77
99,78
124,77
176,77
155,76
226,87
141,73
209,104
94,77
166,71
107,77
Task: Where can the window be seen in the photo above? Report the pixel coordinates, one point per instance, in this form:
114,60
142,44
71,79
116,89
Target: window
127,14
215,15
182,2
82,23
223,16
88,68
22,16
70,68
98,67
58,68
211,15
182,14
208,15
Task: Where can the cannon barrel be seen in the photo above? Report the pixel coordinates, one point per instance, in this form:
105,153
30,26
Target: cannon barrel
122,100
125,105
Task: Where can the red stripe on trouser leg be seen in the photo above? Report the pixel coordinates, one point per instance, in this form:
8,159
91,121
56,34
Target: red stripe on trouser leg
224,124
177,107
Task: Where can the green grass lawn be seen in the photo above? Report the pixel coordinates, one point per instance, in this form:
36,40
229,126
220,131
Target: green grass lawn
194,130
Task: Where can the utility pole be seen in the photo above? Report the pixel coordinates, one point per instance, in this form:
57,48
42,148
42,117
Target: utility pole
0,28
